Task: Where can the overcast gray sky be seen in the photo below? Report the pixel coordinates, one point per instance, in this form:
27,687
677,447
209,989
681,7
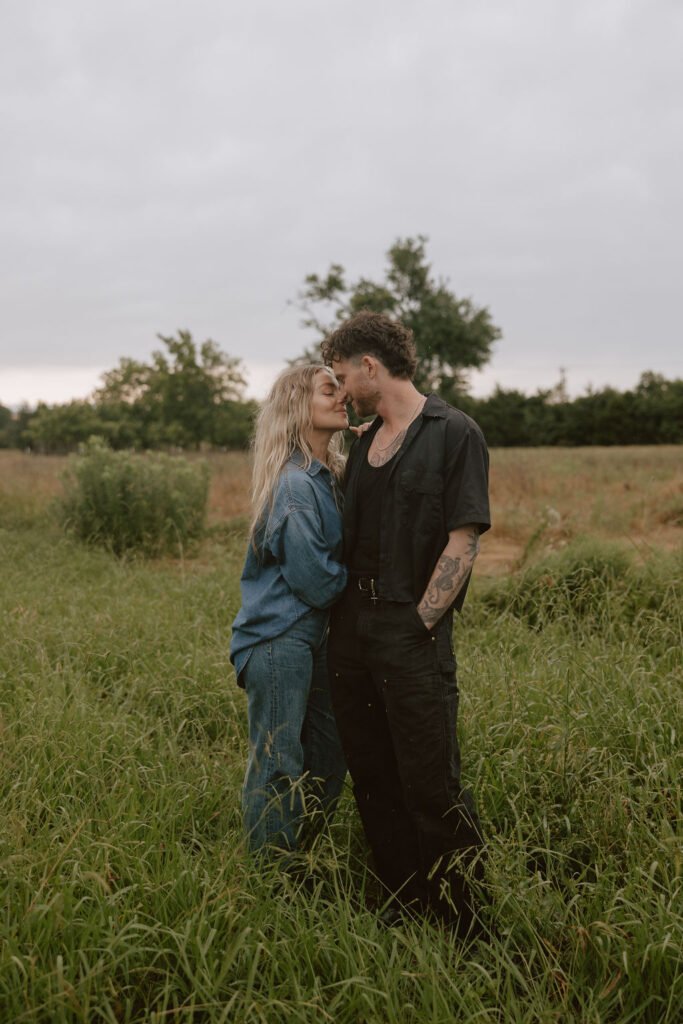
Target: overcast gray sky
172,165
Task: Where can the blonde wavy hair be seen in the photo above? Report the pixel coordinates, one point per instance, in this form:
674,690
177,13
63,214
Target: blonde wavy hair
282,424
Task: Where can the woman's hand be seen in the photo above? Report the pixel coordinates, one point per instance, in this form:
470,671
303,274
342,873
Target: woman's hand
362,428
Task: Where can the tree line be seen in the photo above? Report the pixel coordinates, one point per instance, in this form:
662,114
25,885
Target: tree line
650,413
192,395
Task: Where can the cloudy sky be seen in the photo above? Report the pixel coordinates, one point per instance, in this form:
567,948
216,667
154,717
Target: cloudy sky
186,164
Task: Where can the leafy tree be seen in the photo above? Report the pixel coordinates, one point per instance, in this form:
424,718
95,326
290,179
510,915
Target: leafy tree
63,427
13,434
451,335
5,426
658,409
188,395
59,428
178,398
234,424
503,417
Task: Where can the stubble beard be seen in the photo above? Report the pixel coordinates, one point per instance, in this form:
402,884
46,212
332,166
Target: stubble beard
366,402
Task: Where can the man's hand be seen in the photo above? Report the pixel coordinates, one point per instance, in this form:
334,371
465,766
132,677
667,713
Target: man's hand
452,569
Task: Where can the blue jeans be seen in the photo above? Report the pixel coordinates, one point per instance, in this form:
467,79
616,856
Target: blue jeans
296,767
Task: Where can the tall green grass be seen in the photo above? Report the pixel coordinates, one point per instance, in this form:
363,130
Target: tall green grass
596,585
128,895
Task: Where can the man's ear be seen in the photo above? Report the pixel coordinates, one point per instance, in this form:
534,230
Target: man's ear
369,364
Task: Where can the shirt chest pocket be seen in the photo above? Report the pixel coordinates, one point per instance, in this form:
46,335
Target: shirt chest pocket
421,499
421,483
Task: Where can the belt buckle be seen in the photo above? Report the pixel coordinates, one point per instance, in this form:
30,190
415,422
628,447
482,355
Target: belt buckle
368,590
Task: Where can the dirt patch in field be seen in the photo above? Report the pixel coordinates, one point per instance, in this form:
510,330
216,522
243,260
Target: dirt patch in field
498,555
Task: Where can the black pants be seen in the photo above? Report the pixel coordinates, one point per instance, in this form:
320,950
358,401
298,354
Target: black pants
395,698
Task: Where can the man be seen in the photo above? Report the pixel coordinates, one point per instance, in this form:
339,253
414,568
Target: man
416,501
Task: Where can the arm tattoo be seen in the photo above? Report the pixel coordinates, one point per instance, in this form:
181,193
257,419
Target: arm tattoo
447,580
473,544
443,584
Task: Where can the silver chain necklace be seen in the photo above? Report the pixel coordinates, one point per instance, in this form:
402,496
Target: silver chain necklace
383,448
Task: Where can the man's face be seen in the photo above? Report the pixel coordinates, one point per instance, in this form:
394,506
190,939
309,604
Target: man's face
357,387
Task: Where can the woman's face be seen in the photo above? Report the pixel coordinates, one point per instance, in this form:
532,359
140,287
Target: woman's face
328,412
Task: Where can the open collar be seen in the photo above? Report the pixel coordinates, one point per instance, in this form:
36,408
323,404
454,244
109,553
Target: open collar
297,459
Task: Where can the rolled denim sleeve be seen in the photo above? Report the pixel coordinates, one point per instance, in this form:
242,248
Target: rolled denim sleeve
303,554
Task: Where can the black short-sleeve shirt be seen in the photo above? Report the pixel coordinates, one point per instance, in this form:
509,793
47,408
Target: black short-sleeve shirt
438,481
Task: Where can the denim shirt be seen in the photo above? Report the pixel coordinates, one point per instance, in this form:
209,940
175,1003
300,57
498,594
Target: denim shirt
298,565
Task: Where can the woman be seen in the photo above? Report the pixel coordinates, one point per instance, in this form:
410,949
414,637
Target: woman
291,576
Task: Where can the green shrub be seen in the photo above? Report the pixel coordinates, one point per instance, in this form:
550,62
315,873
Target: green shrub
151,504
588,580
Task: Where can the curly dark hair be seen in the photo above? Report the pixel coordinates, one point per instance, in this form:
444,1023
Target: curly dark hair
372,334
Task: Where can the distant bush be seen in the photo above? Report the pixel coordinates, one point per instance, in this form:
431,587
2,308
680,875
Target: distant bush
151,504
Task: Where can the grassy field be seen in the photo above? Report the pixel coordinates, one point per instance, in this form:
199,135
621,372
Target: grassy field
127,894
541,498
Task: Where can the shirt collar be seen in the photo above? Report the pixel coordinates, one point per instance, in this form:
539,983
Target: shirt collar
297,459
434,406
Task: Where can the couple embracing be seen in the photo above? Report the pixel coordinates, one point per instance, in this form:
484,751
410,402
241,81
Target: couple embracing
344,639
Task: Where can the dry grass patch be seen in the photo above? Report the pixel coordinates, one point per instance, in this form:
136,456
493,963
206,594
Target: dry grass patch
541,497
23,476
230,484
28,483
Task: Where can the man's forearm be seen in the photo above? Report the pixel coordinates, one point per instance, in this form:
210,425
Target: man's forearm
454,566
